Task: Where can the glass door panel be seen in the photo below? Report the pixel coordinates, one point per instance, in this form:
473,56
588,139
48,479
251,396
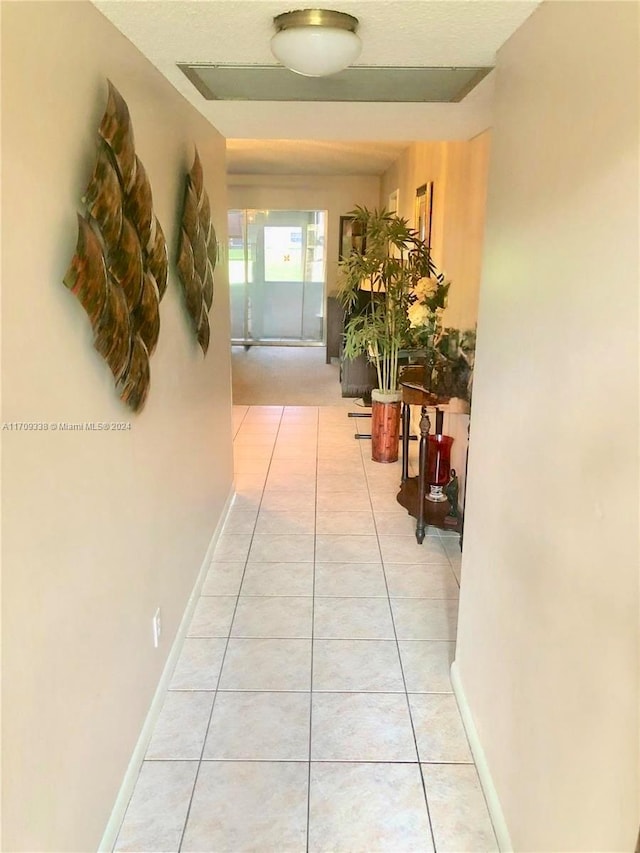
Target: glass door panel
237,271
277,275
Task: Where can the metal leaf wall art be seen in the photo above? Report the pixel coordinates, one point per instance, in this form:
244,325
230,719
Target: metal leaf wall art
119,270
197,253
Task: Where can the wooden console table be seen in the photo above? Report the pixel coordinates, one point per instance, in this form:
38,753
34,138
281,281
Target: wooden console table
435,514
412,494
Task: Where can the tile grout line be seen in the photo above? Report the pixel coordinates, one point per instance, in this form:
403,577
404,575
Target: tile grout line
438,763
237,428
326,690
327,562
224,655
404,681
313,606
347,638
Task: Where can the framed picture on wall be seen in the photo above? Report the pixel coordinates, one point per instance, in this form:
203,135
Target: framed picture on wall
351,237
424,211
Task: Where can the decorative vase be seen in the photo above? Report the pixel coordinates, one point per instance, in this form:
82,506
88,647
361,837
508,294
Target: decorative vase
439,466
385,425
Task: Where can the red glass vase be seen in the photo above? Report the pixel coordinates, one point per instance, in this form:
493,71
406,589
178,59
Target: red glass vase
439,466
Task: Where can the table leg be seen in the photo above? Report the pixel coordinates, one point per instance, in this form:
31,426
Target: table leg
425,426
406,425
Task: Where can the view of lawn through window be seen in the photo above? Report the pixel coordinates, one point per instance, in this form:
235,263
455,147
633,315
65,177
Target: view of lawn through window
277,275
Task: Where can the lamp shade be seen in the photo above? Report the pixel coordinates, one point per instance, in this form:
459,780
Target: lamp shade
315,42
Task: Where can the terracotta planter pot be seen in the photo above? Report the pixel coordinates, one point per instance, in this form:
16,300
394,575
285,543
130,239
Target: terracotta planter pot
385,426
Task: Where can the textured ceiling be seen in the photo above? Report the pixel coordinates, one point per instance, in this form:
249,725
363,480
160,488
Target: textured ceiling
398,33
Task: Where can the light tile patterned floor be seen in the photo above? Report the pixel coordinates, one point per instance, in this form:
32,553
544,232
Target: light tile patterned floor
311,708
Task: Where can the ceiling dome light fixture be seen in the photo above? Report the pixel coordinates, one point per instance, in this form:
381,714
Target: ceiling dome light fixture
315,42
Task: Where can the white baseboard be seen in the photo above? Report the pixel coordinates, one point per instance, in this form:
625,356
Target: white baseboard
482,766
131,775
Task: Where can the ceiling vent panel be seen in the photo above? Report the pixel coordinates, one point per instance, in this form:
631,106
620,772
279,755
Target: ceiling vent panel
374,84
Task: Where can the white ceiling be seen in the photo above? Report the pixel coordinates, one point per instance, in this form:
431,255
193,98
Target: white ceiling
402,33
310,157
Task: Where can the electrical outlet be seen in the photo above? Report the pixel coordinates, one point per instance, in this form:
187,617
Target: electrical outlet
157,628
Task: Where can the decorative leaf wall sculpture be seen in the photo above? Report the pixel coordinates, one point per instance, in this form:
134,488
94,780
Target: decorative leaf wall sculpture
135,384
197,253
113,332
157,261
87,275
119,270
139,204
146,314
115,129
125,264
104,198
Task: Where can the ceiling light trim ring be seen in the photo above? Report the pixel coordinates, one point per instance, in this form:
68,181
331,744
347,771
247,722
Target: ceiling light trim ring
315,18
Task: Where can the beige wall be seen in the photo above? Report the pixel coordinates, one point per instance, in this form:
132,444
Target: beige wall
548,630
335,194
459,174
464,205
99,529
421,162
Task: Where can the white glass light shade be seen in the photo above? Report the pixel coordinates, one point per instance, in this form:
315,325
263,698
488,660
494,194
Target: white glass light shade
316,51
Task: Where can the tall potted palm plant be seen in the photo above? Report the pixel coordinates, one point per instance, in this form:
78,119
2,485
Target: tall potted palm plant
379,284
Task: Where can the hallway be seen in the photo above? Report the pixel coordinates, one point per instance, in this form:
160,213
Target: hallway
311,708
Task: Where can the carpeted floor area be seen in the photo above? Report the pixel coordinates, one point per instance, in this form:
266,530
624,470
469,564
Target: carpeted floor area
285,376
